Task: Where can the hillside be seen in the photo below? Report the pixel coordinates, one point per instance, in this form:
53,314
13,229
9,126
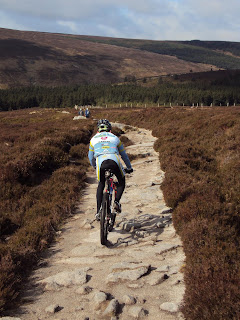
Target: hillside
222,54
46,59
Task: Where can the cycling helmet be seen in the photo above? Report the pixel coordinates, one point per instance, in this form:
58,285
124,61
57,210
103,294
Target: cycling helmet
104,125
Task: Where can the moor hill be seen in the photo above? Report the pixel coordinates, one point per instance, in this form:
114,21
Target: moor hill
47,59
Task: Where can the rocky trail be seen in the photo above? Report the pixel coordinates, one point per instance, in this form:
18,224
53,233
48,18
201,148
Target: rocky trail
138,276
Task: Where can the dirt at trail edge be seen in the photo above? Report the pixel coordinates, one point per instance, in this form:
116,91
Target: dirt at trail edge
137,277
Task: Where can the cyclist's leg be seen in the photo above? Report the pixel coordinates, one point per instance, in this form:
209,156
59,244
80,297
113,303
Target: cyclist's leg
104,165
120,188
121,178
100,194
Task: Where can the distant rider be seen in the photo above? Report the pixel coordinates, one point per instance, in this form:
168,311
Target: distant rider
104,150
87,113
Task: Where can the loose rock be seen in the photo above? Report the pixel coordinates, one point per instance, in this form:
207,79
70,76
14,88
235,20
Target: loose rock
169,306
137,312
53,308
129,300
84,290
99,298
157,279
111,308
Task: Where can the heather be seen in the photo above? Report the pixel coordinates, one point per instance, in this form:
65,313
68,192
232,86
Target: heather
42,172
199,151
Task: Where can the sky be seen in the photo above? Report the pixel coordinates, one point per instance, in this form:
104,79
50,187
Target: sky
136,19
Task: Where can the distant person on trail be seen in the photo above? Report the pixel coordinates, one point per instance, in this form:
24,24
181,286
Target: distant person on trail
87,113
104,150
81,112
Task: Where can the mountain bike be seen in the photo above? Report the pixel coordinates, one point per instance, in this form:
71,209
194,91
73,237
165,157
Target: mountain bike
107,214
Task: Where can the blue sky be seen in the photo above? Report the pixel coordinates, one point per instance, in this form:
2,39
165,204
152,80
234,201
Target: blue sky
142,19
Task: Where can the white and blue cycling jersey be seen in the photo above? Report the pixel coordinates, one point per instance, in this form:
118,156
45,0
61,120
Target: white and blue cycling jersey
104,146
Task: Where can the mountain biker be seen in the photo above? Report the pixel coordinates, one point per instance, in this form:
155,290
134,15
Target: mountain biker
87,113
104,150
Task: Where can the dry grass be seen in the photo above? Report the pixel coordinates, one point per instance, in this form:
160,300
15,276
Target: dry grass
42,172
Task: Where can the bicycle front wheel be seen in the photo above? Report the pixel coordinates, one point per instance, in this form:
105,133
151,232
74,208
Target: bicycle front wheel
103,219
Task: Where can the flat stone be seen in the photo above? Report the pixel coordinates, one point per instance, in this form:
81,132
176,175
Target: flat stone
164,268
10,318
130,275
81,260
79,118
170,307
128,265
65,278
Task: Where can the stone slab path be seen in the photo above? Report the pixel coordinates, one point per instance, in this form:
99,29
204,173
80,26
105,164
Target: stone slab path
137,277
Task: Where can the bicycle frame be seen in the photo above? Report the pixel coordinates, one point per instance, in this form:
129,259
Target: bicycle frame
110,186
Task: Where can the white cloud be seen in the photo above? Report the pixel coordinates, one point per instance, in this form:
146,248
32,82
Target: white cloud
152,19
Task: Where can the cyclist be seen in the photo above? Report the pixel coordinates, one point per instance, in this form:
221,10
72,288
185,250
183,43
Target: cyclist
104,150
87,113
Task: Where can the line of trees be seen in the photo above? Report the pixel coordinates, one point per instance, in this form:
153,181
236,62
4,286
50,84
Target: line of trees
163,93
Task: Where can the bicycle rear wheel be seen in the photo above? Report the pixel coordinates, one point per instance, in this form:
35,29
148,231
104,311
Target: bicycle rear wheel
103,219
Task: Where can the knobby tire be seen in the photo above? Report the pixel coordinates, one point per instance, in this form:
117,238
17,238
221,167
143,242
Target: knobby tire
103,219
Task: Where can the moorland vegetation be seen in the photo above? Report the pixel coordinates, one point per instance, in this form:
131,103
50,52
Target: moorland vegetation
200,153
208,52
31,58
42,172
43,165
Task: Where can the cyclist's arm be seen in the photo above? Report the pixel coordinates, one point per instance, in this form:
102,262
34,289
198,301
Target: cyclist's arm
91,155
124,155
